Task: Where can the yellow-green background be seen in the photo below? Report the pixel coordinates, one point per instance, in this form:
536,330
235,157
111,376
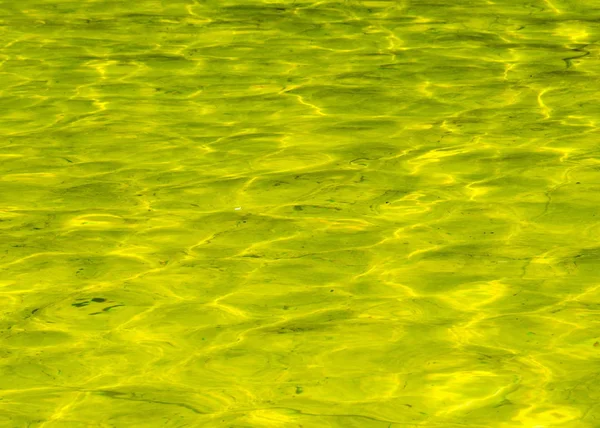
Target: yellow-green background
353,214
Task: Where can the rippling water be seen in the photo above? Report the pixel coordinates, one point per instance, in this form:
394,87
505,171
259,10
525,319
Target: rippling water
299,214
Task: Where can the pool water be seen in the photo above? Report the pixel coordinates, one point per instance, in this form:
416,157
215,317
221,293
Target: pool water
299,213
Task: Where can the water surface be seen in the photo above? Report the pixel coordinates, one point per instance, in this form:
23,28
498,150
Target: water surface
299,214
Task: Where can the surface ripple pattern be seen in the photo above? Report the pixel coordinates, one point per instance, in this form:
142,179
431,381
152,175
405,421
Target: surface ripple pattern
353,214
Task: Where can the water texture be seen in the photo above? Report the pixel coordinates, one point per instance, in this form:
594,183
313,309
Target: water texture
299,214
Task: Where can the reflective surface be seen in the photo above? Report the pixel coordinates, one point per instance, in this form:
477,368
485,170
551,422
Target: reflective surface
299,214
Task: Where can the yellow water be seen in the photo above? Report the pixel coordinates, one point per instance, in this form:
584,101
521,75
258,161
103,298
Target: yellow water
299,213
